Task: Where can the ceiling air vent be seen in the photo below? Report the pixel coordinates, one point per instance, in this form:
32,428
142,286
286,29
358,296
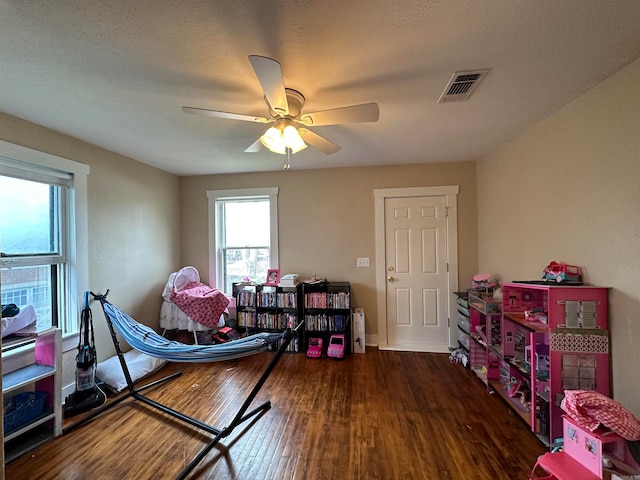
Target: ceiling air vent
461,86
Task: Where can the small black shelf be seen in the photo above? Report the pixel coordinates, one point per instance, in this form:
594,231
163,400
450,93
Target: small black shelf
267,308
327,311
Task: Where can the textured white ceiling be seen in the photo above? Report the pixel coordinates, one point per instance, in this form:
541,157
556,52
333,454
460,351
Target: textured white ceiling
115,73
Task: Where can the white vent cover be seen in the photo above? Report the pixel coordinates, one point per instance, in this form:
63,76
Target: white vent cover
461,85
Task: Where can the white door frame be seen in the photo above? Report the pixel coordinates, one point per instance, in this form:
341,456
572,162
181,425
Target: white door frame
380,195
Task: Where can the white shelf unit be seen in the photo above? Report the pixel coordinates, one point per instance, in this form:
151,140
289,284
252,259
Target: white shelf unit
41,374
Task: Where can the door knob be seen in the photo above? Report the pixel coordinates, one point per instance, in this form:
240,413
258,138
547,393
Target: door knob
390,278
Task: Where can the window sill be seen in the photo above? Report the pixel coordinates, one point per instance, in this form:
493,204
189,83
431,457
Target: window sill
70,342
26,346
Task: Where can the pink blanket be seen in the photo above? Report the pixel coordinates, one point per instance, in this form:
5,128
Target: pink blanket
590,409
201,302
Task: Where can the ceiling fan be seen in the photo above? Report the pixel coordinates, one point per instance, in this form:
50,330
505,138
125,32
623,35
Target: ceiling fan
290,133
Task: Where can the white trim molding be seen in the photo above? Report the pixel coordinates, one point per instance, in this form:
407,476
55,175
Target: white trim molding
78,225
380,195
241,193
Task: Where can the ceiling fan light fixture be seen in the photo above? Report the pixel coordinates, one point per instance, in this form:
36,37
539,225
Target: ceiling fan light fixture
289,134
272,139
283,136
292,139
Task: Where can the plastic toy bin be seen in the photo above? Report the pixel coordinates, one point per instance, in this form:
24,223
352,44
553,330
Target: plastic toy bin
22,408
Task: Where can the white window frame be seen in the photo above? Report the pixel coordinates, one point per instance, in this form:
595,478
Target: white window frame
77,281
213,196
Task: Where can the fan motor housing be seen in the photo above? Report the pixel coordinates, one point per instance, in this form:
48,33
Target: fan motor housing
295,101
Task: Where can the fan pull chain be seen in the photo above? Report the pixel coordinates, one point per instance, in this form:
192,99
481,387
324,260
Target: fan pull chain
287,161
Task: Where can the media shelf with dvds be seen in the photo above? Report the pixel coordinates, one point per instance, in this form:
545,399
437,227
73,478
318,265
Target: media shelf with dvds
327,311
269,308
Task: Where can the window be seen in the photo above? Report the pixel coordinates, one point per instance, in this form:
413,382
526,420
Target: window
43,236
243,232
33,249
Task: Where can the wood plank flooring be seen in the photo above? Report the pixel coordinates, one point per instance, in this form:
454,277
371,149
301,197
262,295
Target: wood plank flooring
382,415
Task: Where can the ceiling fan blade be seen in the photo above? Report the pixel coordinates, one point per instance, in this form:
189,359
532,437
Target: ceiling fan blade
366,112
226,115
269,75
316,141
254,147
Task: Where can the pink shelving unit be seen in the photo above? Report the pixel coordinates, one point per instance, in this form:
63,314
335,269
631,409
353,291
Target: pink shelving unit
554,338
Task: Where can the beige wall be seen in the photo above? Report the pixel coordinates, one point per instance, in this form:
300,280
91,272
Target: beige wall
134,233
569,190
326,220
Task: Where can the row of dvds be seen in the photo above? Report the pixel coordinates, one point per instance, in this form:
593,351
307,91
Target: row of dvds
327,300
325,323
246,319
270,321
247,298
288,299
266,299
293,347
267,321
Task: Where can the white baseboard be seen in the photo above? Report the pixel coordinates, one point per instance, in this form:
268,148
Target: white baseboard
371,340
68,390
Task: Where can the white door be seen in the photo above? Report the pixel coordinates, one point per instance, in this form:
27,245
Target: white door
418,290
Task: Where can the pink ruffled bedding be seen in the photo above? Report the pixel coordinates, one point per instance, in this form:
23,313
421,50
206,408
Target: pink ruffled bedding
201,302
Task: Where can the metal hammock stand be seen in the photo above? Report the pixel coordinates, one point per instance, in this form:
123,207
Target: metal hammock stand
110,313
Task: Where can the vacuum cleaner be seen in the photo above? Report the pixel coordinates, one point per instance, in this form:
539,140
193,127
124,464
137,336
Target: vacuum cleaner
87,395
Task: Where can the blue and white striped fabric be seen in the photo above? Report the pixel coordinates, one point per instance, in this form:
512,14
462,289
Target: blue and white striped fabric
146,340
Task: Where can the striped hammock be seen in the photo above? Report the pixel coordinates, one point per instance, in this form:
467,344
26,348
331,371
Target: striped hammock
147,341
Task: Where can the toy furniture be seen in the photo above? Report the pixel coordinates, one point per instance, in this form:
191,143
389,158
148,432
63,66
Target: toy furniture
542,339
587,456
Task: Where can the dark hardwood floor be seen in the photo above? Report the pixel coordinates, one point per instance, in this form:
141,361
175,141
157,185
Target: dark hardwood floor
382,415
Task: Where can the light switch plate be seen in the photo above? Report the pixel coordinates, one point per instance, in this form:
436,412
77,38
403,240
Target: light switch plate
362,262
